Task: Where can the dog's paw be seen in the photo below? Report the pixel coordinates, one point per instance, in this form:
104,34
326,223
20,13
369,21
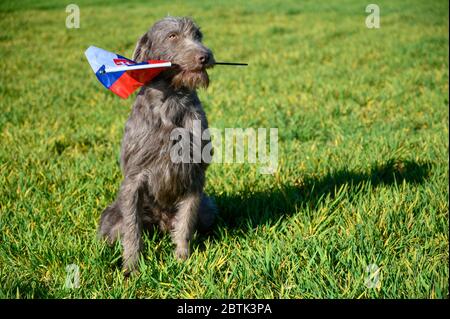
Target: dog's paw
127,273
182,253
130,270
130,266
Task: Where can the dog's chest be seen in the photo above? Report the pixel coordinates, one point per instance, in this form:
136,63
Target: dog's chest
181,172
181,112
149,143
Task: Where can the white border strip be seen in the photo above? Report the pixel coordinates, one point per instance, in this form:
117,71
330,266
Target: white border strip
137,67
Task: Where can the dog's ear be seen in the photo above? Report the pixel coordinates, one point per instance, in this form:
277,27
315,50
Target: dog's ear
142,51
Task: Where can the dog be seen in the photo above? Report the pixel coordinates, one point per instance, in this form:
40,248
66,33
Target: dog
155,190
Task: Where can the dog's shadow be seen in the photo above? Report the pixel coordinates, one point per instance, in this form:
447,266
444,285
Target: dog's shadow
242,213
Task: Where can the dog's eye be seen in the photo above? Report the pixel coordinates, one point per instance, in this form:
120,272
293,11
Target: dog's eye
172,36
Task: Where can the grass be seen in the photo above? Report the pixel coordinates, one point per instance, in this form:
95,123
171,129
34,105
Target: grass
362,116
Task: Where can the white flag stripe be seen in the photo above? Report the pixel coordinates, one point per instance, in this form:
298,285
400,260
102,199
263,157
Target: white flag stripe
136,67
98,57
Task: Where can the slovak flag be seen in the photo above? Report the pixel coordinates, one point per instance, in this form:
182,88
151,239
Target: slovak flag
121,75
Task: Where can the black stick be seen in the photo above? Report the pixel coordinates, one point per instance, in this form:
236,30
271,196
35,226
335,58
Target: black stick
229,63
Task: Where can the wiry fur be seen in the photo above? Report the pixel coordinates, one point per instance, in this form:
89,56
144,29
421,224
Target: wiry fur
156,190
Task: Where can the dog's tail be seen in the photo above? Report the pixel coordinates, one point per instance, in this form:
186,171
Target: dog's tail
110,223
207,213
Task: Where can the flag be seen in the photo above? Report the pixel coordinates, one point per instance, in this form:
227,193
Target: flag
121,75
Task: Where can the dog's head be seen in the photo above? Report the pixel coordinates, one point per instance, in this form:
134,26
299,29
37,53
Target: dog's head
178,40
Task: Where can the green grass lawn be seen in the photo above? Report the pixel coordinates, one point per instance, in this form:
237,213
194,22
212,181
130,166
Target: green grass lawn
362,117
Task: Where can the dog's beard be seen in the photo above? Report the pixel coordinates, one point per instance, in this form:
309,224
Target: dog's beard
191,79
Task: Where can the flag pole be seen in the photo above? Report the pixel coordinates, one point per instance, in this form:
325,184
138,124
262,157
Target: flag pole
231,63
156,65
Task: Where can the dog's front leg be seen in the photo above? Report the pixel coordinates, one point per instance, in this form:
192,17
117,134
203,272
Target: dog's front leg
130,201
185,220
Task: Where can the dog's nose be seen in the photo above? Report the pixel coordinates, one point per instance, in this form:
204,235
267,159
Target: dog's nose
203,58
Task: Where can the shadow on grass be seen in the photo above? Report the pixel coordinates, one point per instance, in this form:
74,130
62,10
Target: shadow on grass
245,212
242,213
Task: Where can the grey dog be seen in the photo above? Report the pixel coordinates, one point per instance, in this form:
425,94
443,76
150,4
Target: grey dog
156,190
